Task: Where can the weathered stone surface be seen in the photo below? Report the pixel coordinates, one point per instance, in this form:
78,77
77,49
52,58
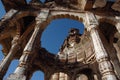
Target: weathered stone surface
88,56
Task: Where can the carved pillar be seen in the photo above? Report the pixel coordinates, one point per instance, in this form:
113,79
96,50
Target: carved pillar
116,58
7,60
116,5
102,58
25,60
99,3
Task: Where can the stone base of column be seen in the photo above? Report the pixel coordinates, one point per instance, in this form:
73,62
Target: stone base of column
109,77
106,69
16,77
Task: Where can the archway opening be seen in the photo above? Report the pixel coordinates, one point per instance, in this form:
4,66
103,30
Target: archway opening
38,75
108,30
85,74
25,22
57,31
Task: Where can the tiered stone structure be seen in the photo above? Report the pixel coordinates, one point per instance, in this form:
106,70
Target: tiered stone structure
93,55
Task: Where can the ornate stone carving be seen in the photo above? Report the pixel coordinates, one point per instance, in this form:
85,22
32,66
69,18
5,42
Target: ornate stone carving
73,48
105,65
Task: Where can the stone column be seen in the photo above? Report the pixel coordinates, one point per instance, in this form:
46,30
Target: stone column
99,3
25,60
116,5
7,60
105,66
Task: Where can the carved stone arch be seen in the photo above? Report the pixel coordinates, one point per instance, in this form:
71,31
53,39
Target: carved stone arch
113,21
59,15
110,27
25,13
21,15
63,14
16,29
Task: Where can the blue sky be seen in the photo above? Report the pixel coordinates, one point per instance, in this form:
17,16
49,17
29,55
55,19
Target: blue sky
52,39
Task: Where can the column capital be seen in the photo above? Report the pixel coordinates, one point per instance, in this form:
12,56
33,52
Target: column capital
91,27
42,16
91,21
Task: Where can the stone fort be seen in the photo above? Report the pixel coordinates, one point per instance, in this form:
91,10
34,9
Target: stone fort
93,55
